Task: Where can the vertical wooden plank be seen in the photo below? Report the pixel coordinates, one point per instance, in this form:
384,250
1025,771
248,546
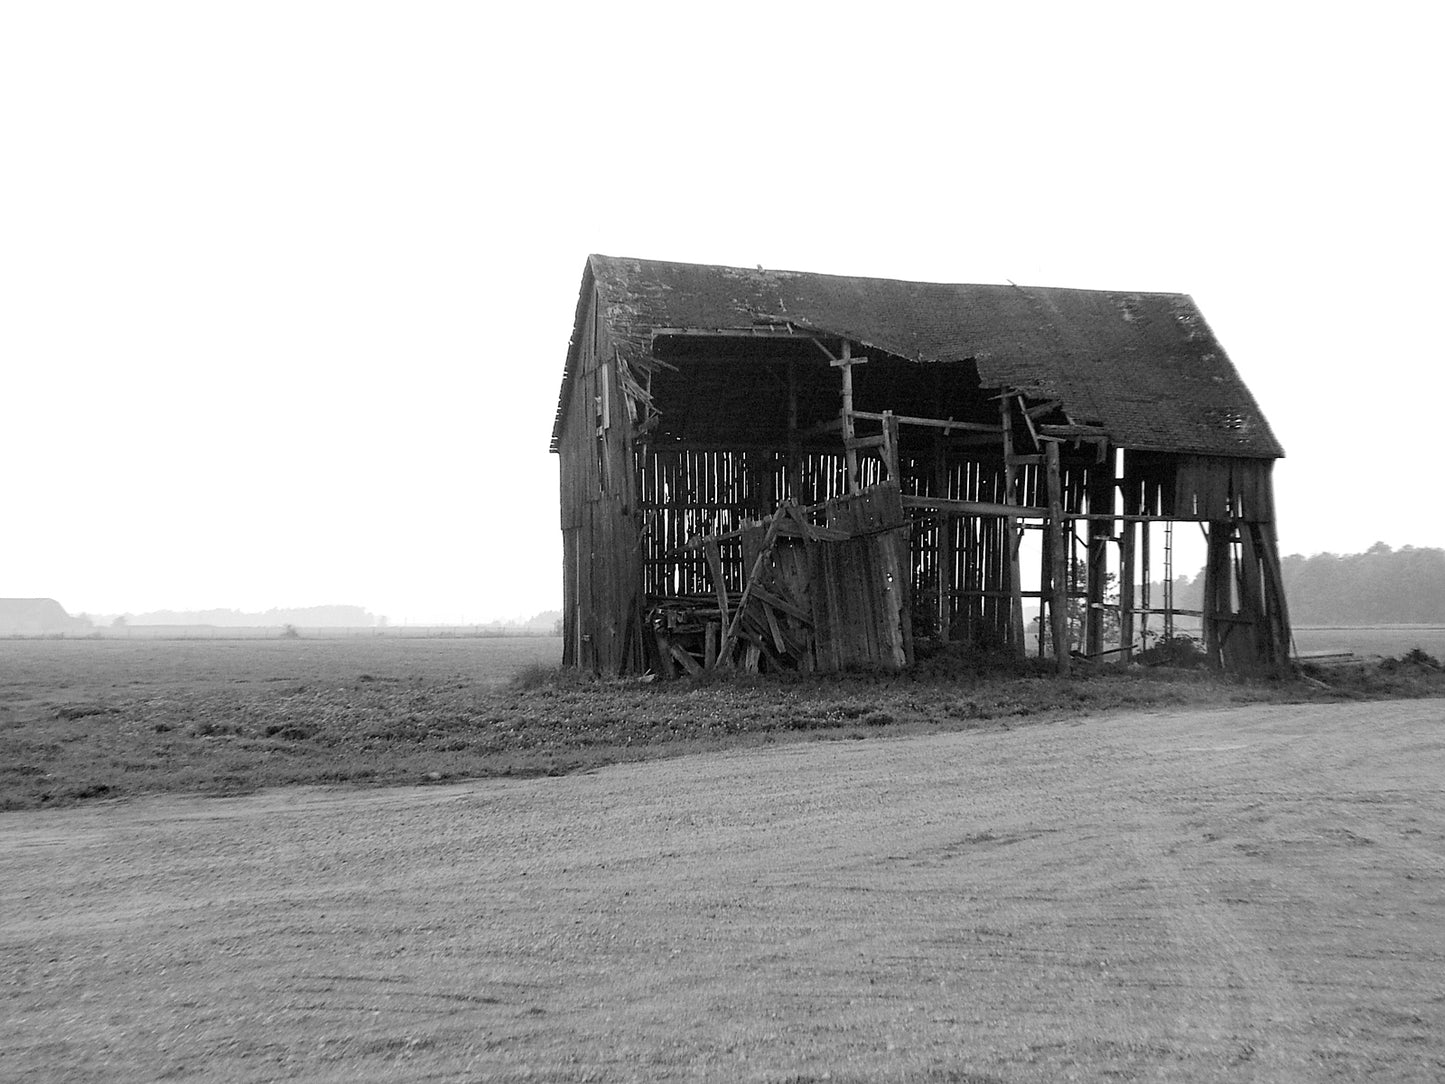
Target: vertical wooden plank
850,455
569,596
586,652
1126,592
943,539
894,545
710,636
1101,500
1216,569
1058,601
1146,587
824,585
794,464
714,564
1273,585
664,653
1251,598
1012,537
890,447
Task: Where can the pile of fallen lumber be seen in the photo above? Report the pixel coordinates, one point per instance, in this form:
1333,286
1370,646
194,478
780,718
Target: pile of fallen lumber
768,626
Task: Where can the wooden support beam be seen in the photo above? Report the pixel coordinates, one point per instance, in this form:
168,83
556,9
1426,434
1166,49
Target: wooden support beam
664,653
1074,432
714,567
890,447
781,604
1028,421
1273,586
973,508
1145,584
947,532
1126,591
1101,500
774,628
945,424
846,363
769,538
1216,590
795,451
1013,537
688,662
1059,600
1039,409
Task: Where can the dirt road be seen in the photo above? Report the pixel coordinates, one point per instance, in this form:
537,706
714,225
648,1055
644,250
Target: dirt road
1256,894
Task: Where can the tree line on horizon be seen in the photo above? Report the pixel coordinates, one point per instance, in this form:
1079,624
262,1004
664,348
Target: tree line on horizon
1381,586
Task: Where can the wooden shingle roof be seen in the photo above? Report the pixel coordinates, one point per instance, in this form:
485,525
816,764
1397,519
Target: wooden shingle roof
1145,367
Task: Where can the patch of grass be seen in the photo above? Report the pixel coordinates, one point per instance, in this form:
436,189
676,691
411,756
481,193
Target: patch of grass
1414,674
230,723
1181,650
543,675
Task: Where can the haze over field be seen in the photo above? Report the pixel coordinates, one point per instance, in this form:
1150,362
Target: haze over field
288,287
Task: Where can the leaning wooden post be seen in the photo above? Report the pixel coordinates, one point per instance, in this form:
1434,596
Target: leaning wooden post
850,453
890,448
724,653
714,567
1016,636
1059,588
1274,594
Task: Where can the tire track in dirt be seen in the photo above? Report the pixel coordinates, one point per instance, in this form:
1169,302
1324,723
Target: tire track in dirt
1236,991
1306,855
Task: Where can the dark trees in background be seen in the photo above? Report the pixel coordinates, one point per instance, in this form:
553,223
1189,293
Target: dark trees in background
1381,586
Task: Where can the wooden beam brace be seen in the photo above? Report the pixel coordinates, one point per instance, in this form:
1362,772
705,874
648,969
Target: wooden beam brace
973,508
933,423
769,538
777,602
714,567
1042,408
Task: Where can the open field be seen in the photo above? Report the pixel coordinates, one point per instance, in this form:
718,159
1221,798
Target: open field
86,720
1255,894
1391,640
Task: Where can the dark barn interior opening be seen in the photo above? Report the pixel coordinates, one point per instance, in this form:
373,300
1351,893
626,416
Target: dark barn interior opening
776,470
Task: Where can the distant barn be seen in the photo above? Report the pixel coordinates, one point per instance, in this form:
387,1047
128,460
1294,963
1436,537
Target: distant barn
37,617
782,470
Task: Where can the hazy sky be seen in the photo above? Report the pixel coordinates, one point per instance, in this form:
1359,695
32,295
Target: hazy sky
286,288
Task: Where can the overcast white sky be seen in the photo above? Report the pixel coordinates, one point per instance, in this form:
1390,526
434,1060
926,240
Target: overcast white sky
286,288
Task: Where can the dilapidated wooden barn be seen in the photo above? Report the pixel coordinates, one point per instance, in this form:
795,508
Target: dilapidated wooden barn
784,470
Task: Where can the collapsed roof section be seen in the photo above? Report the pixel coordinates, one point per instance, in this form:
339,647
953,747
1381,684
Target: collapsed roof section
1143,369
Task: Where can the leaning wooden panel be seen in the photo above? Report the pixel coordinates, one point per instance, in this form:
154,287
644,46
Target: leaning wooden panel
858,605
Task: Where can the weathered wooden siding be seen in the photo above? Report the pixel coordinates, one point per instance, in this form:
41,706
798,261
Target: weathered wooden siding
1198,487
859,587
602,624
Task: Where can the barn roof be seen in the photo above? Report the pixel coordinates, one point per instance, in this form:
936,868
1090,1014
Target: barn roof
1145,367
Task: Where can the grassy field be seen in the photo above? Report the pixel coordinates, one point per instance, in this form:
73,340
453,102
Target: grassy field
98,719
1385,640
